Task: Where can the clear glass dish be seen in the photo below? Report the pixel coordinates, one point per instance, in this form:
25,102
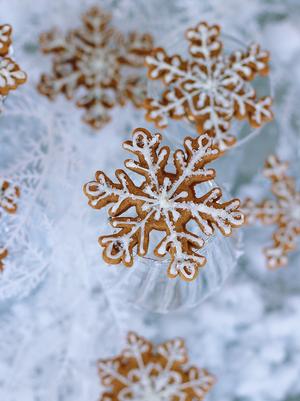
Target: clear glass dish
149,287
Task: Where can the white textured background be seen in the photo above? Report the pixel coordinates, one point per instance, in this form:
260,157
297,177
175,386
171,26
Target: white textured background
58,311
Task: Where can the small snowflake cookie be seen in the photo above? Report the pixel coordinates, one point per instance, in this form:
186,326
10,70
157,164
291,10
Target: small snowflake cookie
147,372
3,255
11,76
209,88
96,65
165,199
9,195
283,211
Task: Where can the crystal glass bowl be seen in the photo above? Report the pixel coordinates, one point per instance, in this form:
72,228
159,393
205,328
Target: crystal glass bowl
149,287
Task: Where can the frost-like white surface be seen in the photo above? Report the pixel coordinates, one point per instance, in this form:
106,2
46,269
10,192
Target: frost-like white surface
25,159
247,334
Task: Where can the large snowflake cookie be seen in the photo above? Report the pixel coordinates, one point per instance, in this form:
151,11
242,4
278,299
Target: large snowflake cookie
165,199
97,65
146,372
11,76
283,211
209,88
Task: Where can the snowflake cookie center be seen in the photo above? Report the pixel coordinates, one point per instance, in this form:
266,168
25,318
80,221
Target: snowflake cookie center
164,202
295,212
211,85
149,390
100,64
210,81
290,208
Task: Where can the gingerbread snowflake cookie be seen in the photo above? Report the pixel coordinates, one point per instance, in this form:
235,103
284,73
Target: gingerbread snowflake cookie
209,88
3,255
11,76
163,201
144,371
9,195
96,65
283,211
